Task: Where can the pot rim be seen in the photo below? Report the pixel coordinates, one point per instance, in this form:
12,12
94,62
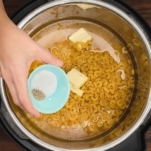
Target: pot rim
131,21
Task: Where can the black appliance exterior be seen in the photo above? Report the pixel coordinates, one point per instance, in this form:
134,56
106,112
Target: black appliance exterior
136,142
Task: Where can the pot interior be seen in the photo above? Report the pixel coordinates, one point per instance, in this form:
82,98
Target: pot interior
117,64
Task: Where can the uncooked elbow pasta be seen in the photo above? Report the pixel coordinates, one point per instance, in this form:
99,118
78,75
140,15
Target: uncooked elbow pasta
106,94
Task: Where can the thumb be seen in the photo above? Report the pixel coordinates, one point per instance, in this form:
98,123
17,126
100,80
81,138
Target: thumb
45,56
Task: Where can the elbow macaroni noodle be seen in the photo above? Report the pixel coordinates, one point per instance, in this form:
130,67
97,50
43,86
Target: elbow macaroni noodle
106,95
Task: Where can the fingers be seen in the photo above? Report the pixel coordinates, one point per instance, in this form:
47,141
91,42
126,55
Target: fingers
20,83
45,56
14,94
16,80
9,81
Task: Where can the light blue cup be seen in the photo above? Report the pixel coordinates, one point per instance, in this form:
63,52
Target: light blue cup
58,99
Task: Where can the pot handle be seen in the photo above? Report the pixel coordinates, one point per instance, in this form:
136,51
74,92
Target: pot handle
25,9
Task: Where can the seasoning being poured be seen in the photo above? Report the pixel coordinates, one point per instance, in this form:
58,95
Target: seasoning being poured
44,84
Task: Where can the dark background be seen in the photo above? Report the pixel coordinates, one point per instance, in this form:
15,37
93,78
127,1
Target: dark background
143,7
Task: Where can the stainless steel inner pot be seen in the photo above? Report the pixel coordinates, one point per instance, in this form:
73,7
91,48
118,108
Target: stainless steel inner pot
130,33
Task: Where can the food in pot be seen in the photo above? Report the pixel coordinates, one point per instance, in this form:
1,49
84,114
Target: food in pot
76,90
77,80
105,95
80,35
111,30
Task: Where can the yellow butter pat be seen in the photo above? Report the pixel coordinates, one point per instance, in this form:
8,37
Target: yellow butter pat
76,78
76,90
86,6
80,35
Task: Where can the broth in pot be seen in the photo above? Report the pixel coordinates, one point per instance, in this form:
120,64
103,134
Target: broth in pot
106,94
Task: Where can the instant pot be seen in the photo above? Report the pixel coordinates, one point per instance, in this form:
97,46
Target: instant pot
138,40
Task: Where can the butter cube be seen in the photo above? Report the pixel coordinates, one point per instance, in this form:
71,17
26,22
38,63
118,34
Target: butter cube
76,78
86,6
80,36
76,90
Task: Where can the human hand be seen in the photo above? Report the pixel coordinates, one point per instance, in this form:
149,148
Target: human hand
17,52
